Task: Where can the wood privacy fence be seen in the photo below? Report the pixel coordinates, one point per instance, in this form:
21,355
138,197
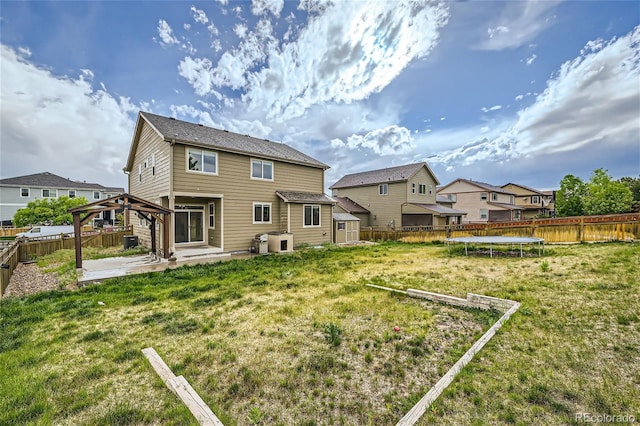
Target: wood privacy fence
12,232
20,251
624,227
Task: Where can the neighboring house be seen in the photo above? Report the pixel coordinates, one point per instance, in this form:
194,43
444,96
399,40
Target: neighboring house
17,192
481,201
226,188
347,205
535,203
397,197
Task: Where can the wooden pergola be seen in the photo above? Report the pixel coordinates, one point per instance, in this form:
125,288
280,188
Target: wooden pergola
123,203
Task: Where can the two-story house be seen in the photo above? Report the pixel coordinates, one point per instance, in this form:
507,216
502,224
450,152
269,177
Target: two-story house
402,196
535,203
482,202
17,192
226,188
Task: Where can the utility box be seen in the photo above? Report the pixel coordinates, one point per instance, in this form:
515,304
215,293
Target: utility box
259,246
280,242
130,241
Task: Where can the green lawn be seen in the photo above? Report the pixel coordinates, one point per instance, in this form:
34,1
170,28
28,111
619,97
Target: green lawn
299,339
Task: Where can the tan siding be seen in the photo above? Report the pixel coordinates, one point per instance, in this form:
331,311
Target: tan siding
234,172
240,192
152,186
384,208
310,235
422,177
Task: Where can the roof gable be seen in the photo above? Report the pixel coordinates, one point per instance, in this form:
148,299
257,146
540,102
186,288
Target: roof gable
374,177
480,185
173,130
526,188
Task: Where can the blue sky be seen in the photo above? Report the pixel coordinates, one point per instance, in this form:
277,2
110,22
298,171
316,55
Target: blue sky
519,91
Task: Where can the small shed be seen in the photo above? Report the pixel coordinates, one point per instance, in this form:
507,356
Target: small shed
346,228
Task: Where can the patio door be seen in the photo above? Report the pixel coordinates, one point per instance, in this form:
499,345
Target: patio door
189,224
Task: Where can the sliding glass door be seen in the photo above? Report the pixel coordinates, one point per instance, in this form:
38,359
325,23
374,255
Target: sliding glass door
189,224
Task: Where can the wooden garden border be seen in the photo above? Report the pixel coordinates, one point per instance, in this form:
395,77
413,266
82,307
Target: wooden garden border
472,301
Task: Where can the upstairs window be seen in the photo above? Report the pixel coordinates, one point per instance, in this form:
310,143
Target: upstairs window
24,192
202,161
452,197
96,195
494,196
261,212
49,193
311,215
422,189
413,188
72,193
483,195
535,199
153,164
261,169
383,189
430,189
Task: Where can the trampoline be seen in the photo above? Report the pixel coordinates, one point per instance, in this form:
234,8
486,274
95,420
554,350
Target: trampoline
498,240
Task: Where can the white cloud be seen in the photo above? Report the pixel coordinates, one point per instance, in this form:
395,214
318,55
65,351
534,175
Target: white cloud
261,7
493,108
199,15
213,30
166,33
387,141
187,27
25,52
591,101
241,30
519,24
531,58
61,124
234,66
519,97
344,55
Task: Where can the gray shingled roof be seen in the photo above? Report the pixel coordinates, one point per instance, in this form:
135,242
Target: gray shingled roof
507,206
49,180
441,210
524,187
344,217
372,177
304,197
349,205
483,185
200,135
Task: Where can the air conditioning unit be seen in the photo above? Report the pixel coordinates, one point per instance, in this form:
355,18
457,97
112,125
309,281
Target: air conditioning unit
280,242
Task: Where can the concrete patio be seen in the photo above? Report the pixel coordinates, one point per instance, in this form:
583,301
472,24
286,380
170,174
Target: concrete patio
101,269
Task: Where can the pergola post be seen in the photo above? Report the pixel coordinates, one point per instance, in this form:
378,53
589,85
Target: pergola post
153,235
78,239
166,228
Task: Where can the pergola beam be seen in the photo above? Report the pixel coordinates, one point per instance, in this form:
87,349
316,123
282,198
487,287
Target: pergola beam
124,202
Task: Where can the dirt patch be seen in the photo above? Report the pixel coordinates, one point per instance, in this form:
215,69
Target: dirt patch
28,279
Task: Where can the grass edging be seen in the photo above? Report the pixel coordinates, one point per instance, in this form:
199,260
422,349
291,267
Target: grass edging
472,301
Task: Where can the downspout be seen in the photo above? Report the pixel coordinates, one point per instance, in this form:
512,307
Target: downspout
172,200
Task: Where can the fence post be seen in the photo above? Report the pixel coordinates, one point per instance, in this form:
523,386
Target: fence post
581,230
